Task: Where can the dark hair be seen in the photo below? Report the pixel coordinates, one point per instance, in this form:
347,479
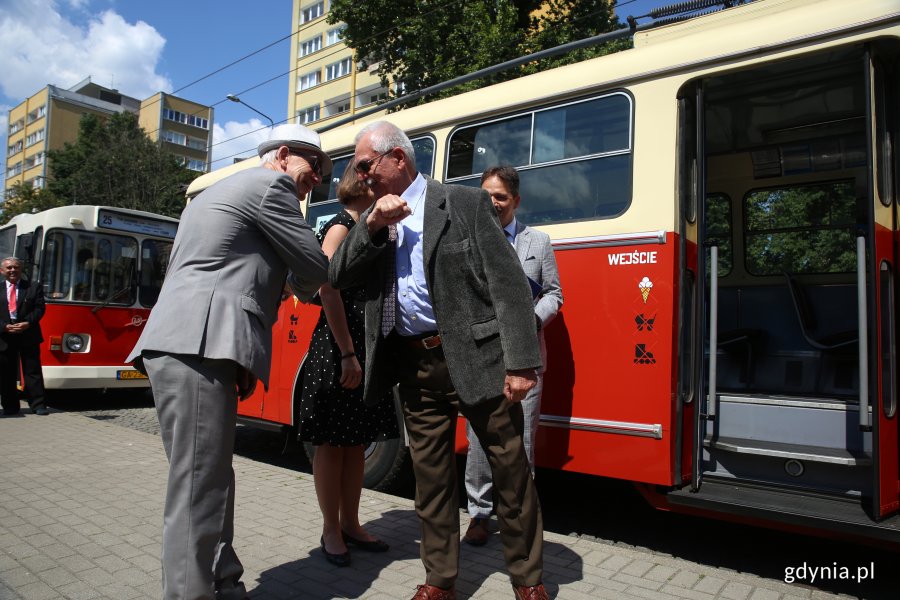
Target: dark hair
506,174
351,187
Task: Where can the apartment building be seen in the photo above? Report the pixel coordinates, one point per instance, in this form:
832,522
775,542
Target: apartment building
50,118
327,82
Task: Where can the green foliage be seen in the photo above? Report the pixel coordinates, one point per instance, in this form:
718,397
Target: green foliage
24,198
419,43
803,229
114,163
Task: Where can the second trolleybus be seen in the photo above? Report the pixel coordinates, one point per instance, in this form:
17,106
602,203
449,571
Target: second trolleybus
101,269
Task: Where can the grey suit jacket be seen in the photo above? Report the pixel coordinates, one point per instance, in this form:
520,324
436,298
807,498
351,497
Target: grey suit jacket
539,263
480,296
234,246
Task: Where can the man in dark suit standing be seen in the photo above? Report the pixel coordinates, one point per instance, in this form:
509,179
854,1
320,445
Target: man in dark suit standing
449,318
21,310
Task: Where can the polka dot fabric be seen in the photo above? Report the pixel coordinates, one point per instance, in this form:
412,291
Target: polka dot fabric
328,412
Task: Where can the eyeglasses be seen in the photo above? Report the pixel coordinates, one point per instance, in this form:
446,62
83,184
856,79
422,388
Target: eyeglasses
364,166
313,162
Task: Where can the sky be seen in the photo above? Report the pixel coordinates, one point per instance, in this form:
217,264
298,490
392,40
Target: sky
143,47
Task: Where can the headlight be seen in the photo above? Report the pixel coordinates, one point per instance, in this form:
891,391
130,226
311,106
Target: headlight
75,343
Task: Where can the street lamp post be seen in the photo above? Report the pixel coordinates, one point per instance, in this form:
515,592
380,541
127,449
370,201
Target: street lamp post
234,98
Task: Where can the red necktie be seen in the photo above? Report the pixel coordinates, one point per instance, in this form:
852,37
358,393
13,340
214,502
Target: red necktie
11,297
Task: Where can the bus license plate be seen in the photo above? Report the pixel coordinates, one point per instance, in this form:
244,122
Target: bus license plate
130,374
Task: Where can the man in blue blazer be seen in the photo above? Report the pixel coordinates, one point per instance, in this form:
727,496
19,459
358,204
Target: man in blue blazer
449,317
20,339
209,338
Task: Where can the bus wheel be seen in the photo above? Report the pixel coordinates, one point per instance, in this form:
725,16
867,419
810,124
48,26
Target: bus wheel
388,467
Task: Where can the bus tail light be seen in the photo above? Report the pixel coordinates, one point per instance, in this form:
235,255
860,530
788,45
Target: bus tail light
55,343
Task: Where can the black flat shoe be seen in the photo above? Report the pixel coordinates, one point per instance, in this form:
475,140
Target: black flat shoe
338,560
373,546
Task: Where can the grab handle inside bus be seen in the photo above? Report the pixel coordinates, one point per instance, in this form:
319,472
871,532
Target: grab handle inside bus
713,327
865,422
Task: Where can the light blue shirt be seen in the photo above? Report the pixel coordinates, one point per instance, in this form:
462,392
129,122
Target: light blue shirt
511,231
415,315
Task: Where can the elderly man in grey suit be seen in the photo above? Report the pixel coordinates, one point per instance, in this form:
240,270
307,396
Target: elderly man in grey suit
209,338
535,253
448,317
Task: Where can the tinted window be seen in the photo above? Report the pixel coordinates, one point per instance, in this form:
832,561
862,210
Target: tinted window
574,160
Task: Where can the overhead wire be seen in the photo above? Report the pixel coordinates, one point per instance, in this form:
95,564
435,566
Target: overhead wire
297,32
327,104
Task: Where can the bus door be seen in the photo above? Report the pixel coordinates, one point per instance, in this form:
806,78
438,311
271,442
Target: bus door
795,259
882,100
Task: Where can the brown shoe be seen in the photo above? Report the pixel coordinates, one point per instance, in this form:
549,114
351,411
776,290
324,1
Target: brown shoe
478,532
535,592
431,592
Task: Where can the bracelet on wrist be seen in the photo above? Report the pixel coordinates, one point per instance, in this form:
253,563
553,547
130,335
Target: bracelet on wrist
348,355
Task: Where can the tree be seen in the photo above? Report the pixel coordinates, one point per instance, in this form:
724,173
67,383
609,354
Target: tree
114,163
24,198
419,43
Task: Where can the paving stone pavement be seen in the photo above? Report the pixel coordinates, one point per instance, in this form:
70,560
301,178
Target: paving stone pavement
81,517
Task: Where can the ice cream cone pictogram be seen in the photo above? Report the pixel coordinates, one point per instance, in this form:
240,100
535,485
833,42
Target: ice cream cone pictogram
645,286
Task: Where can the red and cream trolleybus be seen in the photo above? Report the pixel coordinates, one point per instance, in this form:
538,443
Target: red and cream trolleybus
722,200
101,270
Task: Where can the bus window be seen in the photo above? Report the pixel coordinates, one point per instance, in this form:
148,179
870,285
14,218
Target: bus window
154,263
102,280
89,268
7,241
323,202
574,160
801,229
718,228
54,271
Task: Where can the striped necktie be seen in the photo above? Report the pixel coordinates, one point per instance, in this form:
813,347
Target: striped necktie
389,307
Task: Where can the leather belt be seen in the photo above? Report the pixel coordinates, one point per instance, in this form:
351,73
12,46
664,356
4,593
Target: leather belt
427,343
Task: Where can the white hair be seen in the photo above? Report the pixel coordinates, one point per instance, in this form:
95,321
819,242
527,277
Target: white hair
269,157
385,136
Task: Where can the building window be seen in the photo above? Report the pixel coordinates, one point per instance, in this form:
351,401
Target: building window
14,148
180,117
34,160
310,80
334,35
313,11
196,143
14,170
38,183
309,114
338,69
17,126
311,45
34,138
195,165
37,113
174,137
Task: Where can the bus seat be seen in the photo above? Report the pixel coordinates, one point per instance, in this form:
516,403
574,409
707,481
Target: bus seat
742,340
809,326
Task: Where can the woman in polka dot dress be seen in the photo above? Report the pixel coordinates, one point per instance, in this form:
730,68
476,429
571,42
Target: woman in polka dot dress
333,416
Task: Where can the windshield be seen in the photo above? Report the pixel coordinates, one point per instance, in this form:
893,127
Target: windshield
90,267
154,262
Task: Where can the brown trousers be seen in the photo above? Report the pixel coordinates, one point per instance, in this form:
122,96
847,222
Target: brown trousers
430,407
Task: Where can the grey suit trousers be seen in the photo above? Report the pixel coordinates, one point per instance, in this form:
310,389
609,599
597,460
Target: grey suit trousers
196,401
479,483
